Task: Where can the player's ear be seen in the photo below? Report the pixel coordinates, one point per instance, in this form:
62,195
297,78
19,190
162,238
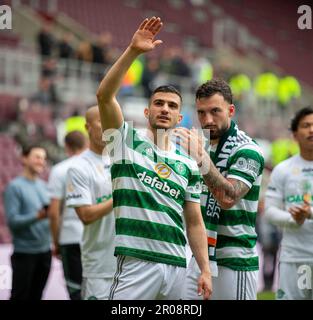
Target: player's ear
231,110
87,126
146,112
295,136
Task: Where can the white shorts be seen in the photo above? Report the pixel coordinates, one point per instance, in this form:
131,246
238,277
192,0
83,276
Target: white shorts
235,285
190,290
96,288
295,281
145,280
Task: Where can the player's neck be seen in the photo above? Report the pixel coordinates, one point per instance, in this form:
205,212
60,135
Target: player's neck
96,148
307,154
160,138
75,153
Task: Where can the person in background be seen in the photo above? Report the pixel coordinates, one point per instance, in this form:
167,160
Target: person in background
89,191
288,205
66,228
45,40
26,202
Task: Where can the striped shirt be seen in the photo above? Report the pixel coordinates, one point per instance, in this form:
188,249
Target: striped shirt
235,237
150,187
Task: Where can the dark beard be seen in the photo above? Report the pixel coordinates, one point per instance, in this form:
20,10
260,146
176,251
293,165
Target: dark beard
218,133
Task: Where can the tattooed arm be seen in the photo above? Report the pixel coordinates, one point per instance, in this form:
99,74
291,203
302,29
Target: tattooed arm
226,191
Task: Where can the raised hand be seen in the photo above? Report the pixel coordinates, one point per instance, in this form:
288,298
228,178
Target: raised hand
192,141
143,39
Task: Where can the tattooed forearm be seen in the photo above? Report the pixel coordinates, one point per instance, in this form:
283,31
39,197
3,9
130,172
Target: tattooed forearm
239,189
225,191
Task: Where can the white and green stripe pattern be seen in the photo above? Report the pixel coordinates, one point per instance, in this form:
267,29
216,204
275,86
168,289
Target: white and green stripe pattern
148,205
236,239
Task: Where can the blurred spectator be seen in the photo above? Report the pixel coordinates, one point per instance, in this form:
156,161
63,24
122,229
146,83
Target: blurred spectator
83,54
46,94
66,228
173,62
265,89
49,68
45,40
76,122
26,201
201,69
100,54
283,149
84,51
149,74
133,78
288,89
66,50
240,84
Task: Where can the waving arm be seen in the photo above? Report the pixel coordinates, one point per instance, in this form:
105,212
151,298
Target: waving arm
142,41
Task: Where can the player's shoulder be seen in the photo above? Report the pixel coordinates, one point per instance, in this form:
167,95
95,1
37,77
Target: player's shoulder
62,166
80,163
244,143
285,166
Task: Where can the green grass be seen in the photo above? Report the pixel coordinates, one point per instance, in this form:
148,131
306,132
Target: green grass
266,295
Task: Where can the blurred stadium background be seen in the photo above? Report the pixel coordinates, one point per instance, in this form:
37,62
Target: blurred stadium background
57,51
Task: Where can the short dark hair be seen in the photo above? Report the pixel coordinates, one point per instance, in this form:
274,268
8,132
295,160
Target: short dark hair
299,115
27,149
75,140
167,88
211,87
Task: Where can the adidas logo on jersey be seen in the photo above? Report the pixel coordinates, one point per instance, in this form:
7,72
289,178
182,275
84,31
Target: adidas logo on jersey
155,182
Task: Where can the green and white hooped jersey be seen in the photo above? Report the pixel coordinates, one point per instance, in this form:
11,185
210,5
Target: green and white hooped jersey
150,187
234,238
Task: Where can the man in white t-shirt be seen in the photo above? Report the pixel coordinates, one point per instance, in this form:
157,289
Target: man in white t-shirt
89,191
288,204
66,228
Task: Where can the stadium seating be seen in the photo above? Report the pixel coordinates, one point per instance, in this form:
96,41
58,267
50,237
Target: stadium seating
261,18
9,39
8,107
99,16
39,118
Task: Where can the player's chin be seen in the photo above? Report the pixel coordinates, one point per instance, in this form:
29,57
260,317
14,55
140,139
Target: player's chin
162,125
